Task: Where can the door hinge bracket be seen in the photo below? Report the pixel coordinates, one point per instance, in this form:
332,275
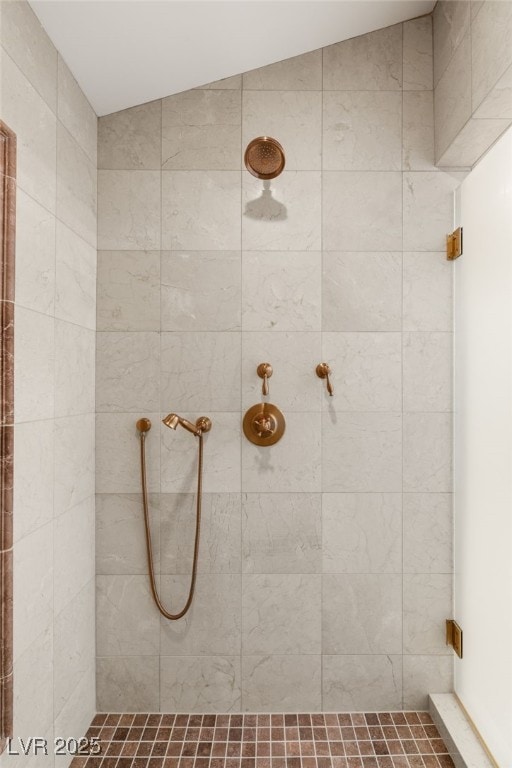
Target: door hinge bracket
454,245
454,636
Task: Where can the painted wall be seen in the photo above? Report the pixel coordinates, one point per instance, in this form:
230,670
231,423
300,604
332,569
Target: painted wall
472,78
54,387
483,448
325,565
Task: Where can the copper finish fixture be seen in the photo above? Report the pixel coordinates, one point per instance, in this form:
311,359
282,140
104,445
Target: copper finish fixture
323,371
264,371
203,424
264,424
264,158
454,244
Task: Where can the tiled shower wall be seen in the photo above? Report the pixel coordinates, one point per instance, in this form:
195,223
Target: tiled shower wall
325,564
54,682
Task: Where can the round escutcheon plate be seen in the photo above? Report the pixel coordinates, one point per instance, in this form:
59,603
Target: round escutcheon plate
264,424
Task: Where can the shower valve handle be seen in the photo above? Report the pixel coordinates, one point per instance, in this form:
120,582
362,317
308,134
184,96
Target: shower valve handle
264,371
323,371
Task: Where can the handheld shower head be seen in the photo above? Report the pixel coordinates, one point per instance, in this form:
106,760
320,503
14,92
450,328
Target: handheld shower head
203,423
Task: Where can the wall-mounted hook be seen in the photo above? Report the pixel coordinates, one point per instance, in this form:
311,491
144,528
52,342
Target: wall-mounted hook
264,371
323,371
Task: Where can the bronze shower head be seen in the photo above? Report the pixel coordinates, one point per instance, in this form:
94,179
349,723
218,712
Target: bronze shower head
203,423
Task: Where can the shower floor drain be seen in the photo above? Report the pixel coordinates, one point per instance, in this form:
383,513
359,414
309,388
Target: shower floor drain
371,740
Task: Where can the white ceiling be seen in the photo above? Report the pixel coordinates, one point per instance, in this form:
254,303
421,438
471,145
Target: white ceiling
127,52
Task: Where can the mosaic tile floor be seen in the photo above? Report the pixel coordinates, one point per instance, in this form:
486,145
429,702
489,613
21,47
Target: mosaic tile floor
372,740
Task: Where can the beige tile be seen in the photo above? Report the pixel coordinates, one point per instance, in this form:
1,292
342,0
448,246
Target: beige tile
74,461
428,280
281,291
427,603
281,683
423,674
452,97
362,532
127,371
201,210
118,453
428,452
362,131
75,278
128,291
273,607
281,533
201,290
293,385
73,645
418,131
75,112
233,83
200,684
34,375
76,187
26,42
28,115
74,369
418,54
472,141
294,118
362,211
362,452
428,533
120,539
219,549
212,625
80,708
33,671
130,683
366,371
73,548
293,464
128,619
428,210
451,21
362,291
359,683
371,62
131,139
427,371
221,456
128,210
200,371
300,73
498,103
491,48
201,130
33,588
282,215
33,494
362,613
35,278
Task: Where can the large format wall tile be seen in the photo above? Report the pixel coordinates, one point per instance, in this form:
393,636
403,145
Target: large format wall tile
75,278
128,683
300,73
34,670
362,532
358,683
428,210
428,533
128,620
34,365
418,131
118,453
127,371
128,210
488,62
294,118
273,610
281,291
74,369
428,281
451,22
200,290
452,96
120,539
128,291
281,683
201,210
370,62
427,603
418,54
362,131
362,291
200,684
426,673
131,139
75,113
201,130
76,187
33,494
281,533
73,543
74,461
35,279
428,452
362,211
427,369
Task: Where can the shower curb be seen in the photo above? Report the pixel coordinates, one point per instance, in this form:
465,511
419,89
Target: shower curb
465,747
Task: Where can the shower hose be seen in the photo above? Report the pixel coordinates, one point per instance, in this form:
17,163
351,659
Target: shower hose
149,547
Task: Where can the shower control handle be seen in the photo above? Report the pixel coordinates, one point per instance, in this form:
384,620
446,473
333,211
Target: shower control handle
323,371
264,371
